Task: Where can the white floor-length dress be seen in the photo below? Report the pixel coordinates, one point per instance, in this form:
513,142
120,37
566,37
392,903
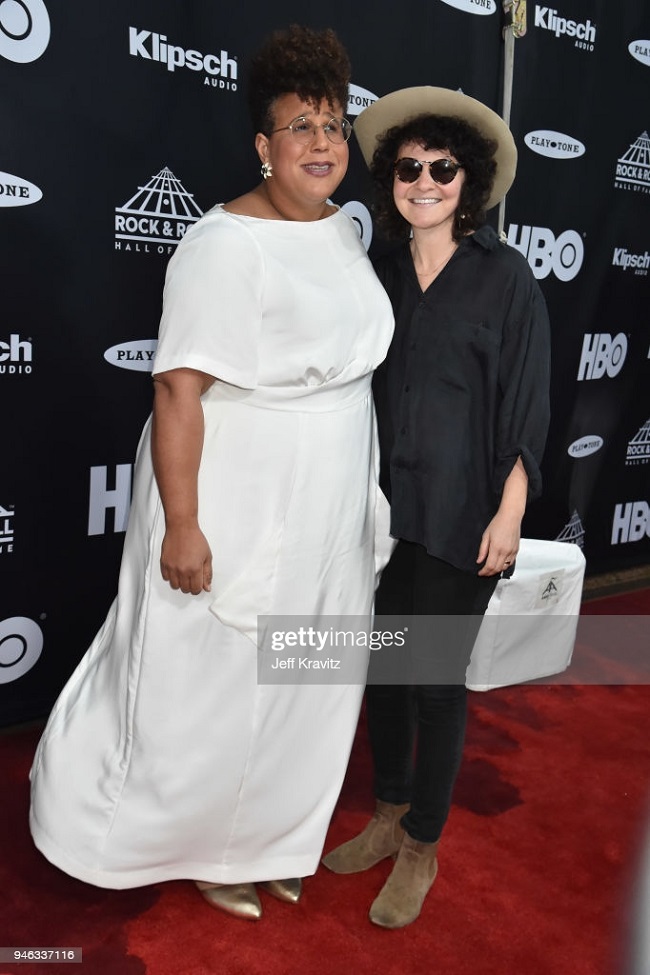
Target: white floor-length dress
164,758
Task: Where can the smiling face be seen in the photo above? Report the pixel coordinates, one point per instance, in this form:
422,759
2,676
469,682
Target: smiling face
427,205
304,176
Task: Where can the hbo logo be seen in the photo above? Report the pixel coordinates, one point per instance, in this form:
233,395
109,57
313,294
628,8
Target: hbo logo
602,354
363,221
563,256
24,30
21,643
631,522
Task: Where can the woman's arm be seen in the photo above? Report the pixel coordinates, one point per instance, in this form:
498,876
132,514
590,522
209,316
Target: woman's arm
500,540
177,443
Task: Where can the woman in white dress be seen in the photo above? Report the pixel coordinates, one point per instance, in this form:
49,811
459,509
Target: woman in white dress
255,494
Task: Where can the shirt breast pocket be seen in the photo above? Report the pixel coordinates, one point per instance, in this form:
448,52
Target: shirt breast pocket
465,353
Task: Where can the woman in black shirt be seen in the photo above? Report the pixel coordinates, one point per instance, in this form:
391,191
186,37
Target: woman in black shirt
462,402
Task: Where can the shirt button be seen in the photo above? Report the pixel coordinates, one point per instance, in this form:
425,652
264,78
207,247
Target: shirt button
406,388
403,431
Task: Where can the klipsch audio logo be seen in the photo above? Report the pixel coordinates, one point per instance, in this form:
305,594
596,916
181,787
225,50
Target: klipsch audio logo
17,192
21,643
6,529
638,262
545,253
24,30
633,167
585,446
573,531
358,99
602,355
638,449
102,498
156,217
137,355
473,6
584,34
220,70
16,356
641,51
631,522
554,144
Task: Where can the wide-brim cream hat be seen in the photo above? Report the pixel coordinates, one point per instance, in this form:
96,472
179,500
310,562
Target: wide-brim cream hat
400,106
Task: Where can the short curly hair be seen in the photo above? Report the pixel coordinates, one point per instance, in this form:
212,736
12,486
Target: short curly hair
464,142
313,64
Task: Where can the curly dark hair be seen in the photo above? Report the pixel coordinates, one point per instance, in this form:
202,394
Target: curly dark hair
461,140
312,63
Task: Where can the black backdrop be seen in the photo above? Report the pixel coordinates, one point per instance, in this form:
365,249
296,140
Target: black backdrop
122,123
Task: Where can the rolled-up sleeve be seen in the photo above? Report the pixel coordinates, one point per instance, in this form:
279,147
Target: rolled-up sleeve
524,381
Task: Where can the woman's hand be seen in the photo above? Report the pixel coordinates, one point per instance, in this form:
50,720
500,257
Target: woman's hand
186,560
499,543
500,540
176,446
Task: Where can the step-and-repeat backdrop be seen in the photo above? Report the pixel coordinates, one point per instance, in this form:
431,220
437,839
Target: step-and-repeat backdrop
122,124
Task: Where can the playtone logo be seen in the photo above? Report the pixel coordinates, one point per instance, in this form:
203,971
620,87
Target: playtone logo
481,7
641,51
602,354
546,142
638,262
358,99
21,643
631,522
545,253
221,71
137,355
24,30
585,446
584,33
17,192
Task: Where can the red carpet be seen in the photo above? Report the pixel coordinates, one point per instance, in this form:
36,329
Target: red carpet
535,869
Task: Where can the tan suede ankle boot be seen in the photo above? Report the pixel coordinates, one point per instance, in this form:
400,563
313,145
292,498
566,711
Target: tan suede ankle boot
402,896
381,838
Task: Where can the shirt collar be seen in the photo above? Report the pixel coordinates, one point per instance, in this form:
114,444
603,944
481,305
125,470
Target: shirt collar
484,237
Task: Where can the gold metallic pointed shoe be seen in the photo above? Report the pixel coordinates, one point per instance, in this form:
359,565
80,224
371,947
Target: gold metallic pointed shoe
285,890
241,900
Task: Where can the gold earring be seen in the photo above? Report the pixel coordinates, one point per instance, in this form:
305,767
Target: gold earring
267,170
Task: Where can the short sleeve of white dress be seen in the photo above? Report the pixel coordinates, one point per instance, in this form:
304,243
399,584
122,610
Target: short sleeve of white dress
211,316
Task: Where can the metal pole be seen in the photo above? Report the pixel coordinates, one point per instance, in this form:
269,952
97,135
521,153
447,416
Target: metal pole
515,26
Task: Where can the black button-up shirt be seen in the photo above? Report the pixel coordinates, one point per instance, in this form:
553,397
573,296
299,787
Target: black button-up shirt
462,394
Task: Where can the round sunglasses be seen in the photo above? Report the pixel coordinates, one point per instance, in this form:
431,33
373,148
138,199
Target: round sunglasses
442,171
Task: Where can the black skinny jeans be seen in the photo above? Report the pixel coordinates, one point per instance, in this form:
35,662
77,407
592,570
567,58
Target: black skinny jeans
429,717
